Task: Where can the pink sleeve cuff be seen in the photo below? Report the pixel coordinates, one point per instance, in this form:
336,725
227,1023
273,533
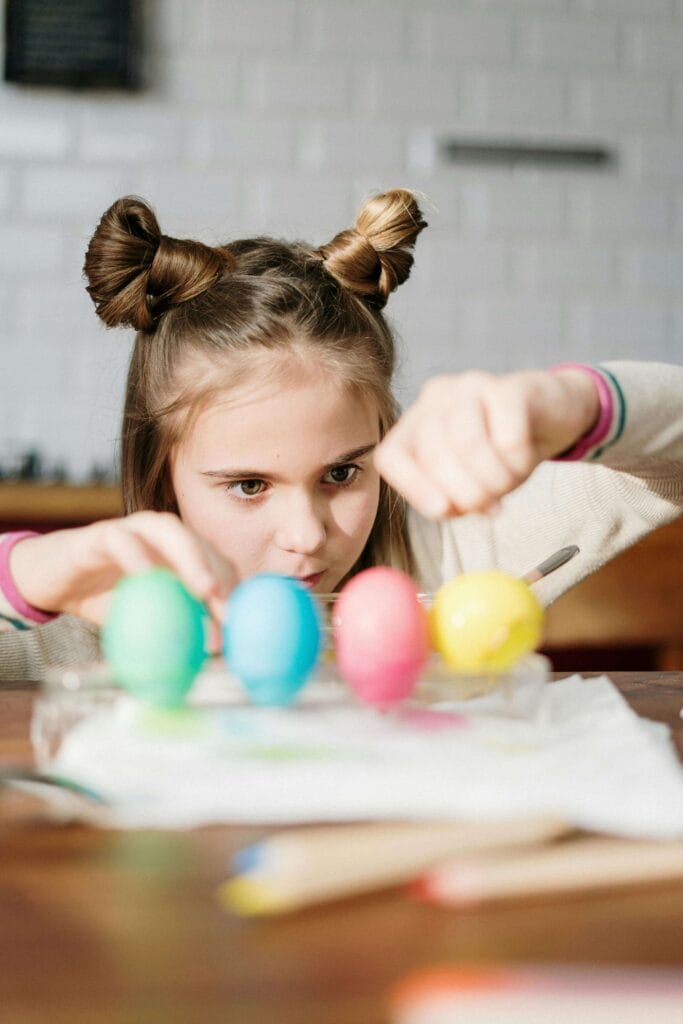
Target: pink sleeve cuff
602,426
20,606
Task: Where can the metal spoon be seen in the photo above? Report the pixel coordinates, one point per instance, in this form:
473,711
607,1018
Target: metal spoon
28,778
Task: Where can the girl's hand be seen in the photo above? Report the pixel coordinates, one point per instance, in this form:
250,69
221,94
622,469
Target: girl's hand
74,571
470,438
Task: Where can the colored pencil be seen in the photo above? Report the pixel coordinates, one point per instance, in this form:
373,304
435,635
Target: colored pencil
572,866
311,865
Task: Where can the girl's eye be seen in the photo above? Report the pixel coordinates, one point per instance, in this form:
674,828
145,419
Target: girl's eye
341,475
246,488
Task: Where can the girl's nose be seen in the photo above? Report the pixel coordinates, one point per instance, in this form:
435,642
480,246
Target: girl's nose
302,528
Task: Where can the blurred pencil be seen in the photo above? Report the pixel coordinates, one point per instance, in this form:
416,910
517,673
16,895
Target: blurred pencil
312,865
572,866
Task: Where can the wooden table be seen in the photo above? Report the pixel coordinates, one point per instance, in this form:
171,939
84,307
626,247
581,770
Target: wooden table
123,927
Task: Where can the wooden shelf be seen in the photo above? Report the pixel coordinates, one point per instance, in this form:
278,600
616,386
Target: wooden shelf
56,505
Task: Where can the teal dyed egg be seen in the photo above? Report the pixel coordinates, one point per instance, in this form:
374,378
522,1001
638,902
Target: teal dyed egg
272,637
154,637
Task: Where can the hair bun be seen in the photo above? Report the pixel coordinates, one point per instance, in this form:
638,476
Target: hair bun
375,256
135,272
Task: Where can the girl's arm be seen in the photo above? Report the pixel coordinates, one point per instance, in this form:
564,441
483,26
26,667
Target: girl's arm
73,571
621,489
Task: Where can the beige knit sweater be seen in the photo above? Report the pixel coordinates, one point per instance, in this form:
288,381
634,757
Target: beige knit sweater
603,506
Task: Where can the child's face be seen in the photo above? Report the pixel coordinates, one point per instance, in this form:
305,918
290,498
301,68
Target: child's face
279,476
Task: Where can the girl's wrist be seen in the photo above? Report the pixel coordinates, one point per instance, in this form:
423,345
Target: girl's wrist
597,413
13,582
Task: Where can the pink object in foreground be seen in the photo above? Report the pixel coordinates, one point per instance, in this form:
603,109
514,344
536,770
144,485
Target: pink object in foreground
537,994
427,720
381,635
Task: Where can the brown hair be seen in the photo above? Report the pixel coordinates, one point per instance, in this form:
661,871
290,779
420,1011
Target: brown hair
191,302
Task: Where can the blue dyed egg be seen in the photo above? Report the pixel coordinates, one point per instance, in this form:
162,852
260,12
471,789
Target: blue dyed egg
272,637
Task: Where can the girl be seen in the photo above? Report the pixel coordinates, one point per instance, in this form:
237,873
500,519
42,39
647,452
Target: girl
260,434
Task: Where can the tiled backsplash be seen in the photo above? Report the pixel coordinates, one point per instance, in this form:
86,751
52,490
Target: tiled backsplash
281,115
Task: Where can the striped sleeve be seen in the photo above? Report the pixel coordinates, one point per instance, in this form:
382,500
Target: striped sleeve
611,420
15,612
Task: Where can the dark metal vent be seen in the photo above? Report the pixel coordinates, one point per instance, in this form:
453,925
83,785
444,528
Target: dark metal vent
467,151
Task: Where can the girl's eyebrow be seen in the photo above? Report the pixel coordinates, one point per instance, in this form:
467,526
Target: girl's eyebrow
355,453
258,474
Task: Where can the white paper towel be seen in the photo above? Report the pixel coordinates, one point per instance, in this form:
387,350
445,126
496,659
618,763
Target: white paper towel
585,756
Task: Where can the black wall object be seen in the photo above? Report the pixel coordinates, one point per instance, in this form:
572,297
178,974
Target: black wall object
541,154
77,43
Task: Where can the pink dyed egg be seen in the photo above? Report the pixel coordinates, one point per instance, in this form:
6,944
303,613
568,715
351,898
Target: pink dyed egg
381,635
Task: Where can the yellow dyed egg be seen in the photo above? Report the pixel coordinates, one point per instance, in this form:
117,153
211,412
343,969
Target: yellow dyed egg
485,621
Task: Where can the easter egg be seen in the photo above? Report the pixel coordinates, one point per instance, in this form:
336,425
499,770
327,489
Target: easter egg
381,635
484,621
154,636
272,637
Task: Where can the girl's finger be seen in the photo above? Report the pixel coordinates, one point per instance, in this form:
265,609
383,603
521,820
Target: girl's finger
509,425
217,606
129,552
178,549
441,460
214,637
159,540
396,463
475,451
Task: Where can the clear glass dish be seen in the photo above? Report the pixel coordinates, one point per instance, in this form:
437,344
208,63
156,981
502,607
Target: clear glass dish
68,694
515,692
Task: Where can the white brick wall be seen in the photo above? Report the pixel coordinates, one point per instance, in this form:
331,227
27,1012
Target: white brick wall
655,47
632,211
296,85
28,135
360,28
29,251
514,99
281,115
417,90
451,33
568,43
514,208
225,26
610,101
5,188
566,268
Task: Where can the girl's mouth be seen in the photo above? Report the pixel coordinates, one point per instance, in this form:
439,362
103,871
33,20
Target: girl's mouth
312,580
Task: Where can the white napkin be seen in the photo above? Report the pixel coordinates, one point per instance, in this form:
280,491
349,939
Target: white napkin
584,756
